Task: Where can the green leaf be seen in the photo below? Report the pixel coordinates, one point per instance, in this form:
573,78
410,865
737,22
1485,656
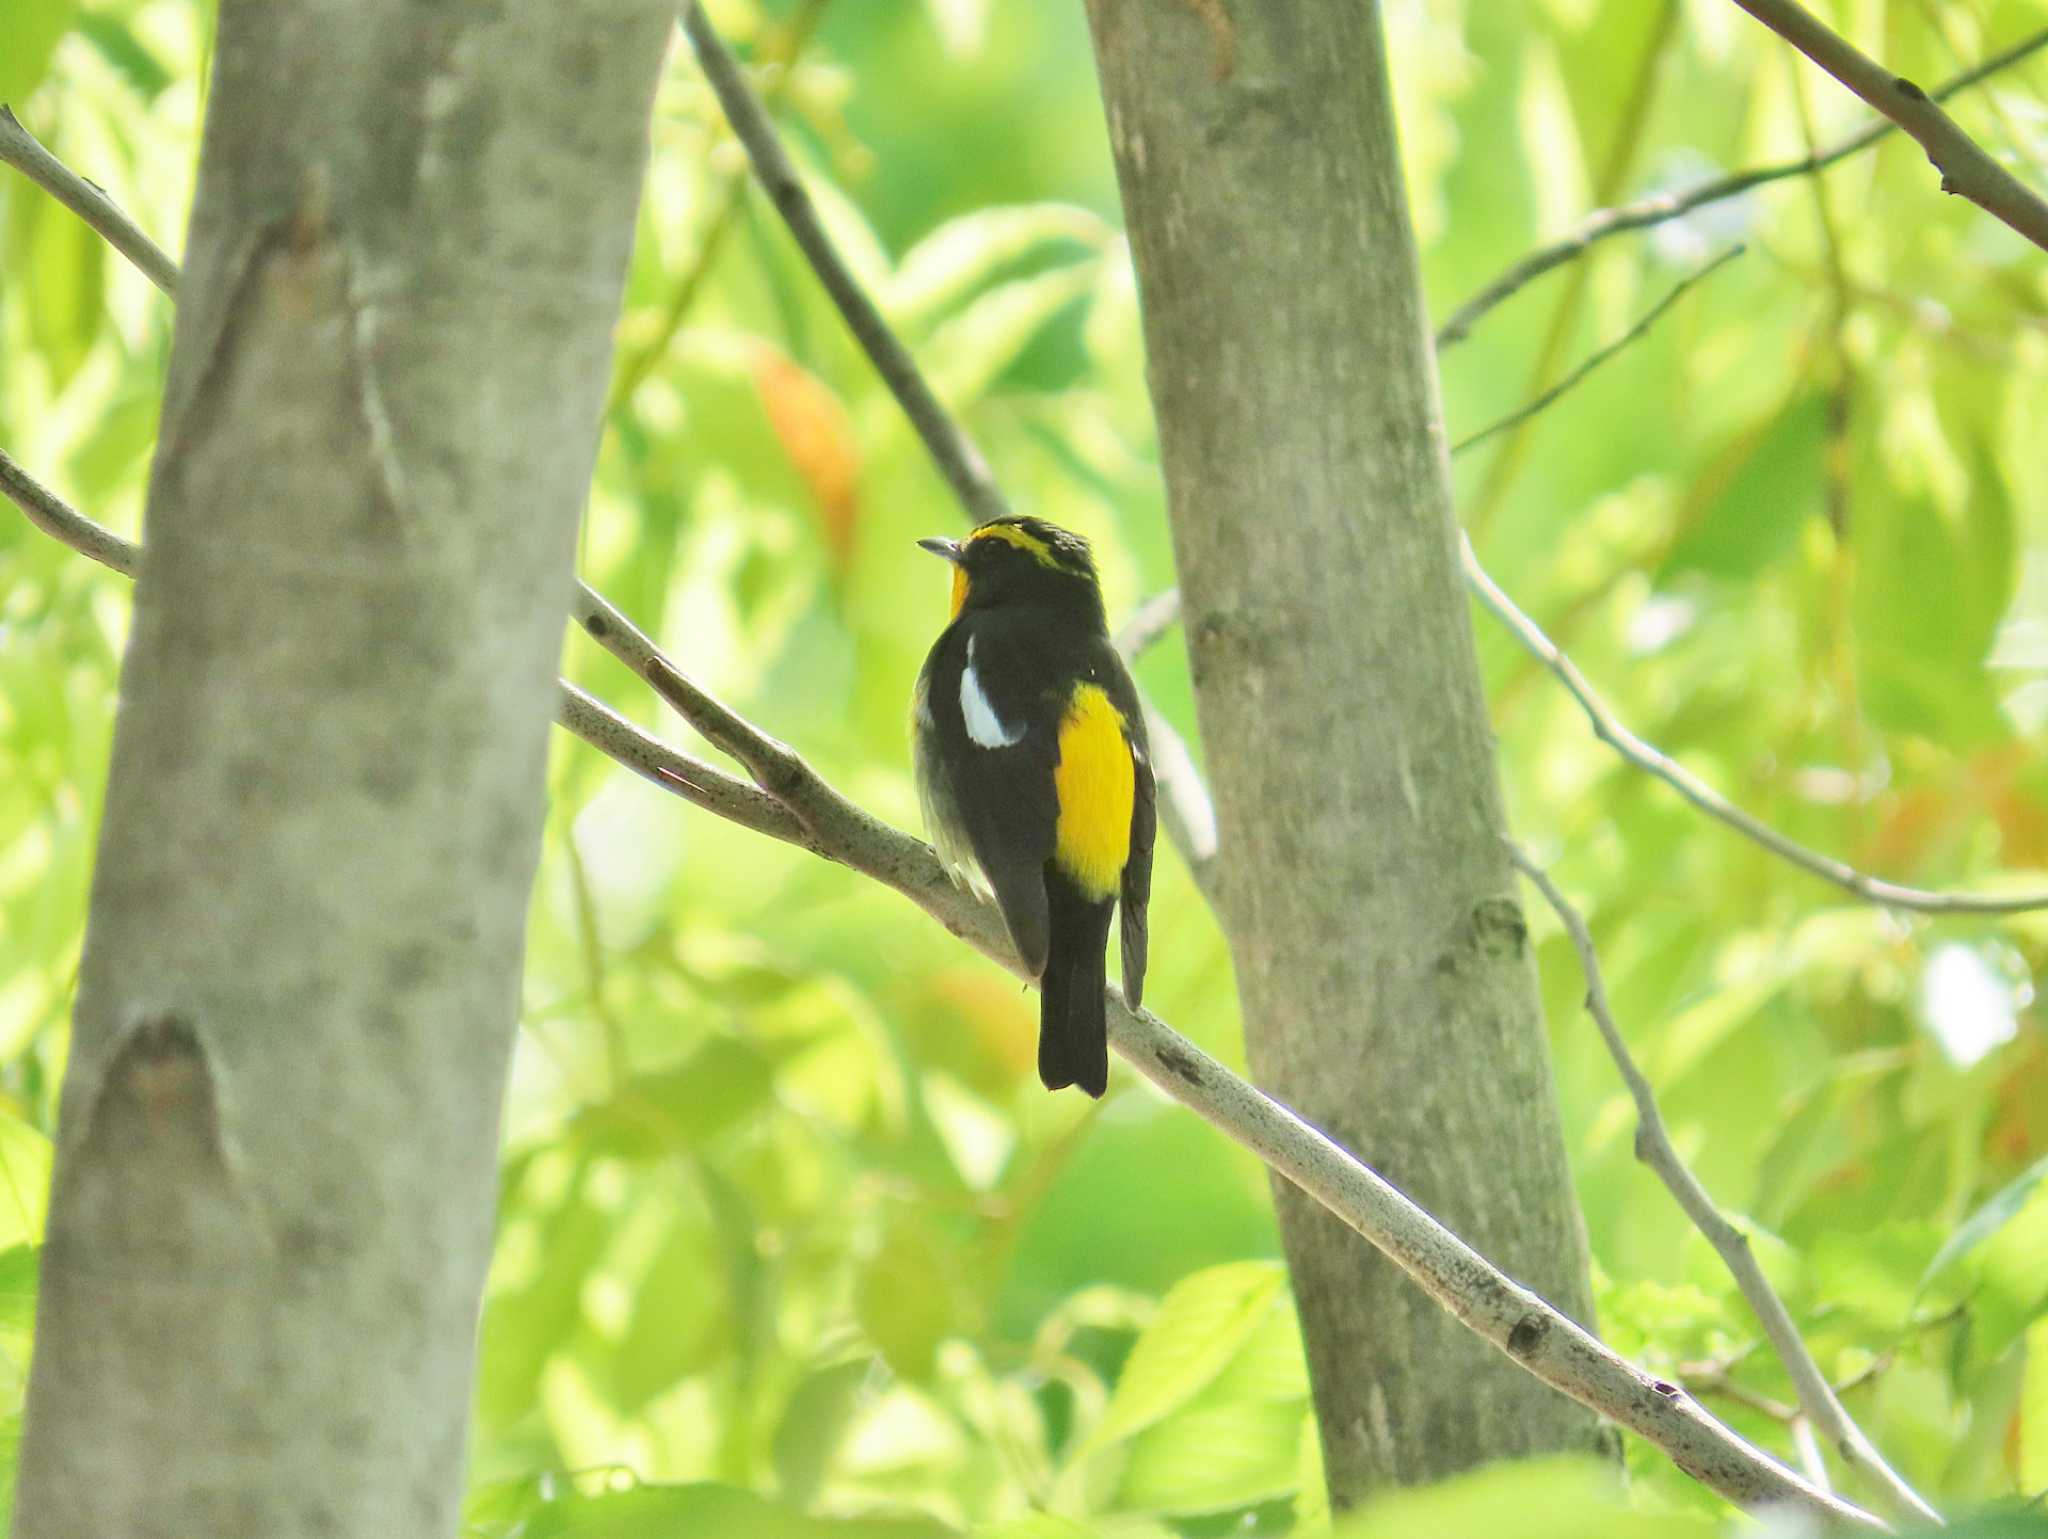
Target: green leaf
34,28
1534,1499
962,254
903,1299
970,352
18,1267
1214,1457
24,1182
1040,1525
126,53
66,271
1271,1364
1757,497
1311,1483
2033,1411
708,1511
814,1425
1981,1225
722,1085
1202,1323
1921,644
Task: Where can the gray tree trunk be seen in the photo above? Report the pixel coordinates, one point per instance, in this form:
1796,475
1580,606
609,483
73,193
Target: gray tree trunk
1381,958
272,1208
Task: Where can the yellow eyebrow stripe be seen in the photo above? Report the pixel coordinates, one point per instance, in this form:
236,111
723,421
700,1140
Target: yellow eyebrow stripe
1010,534
1095,782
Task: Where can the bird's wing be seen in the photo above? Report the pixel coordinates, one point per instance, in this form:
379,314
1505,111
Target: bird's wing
1137,882
995,740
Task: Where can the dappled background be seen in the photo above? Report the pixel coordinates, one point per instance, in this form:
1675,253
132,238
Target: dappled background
784,1207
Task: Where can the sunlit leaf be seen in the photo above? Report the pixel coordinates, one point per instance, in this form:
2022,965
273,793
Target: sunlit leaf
903,1296
34,28
1760,489
18,1267
709,1511
120,47
1987,1220
1537,1499
1203,1322
966,252
1213,1457
25,1157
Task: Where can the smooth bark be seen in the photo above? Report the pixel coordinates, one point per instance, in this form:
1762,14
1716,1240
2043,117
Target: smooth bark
1380,948
271,1216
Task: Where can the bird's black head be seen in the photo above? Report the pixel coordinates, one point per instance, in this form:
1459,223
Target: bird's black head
1018,561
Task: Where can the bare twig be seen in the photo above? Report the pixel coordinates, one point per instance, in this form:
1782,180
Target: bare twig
1812,1462
1147,623
1714,1378
1656,210
1184,804
20,149
597,724
955,454
1653,761
64,523
1644,756
1966,168
1817,1402
1593,360
1548,1344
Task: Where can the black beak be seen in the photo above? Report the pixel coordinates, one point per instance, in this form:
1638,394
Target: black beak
940,546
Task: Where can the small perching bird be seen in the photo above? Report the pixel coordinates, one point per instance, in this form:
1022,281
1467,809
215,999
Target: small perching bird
1032,768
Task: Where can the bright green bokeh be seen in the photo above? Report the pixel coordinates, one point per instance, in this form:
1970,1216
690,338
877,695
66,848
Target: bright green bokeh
789,1233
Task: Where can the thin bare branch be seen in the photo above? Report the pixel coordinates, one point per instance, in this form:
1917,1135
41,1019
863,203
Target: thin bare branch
1966,168
1653,761
1646,757
955,454
1593,360
21,150
633,370
1184,804
1147,623
690,778
1487,1301
64,523
1656,210
1817,1402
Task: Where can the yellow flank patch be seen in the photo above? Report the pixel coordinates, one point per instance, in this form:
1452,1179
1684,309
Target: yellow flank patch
1095,782
1010,534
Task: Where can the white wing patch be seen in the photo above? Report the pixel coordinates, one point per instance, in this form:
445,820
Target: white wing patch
984,727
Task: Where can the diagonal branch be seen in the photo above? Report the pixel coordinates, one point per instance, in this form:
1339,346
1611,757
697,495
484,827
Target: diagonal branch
21,150
1545,1342
1817,1399
955,454
597,724
1662,207
1652,760
1966,168
1596,358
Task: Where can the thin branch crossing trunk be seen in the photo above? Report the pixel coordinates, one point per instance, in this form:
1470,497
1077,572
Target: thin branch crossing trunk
271,1215
1380,948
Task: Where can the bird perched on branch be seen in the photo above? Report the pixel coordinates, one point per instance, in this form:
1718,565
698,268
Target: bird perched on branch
1032,767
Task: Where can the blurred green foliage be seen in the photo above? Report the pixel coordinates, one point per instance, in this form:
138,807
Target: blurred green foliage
791,1243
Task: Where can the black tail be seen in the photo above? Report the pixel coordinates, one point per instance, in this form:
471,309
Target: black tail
1073,1042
